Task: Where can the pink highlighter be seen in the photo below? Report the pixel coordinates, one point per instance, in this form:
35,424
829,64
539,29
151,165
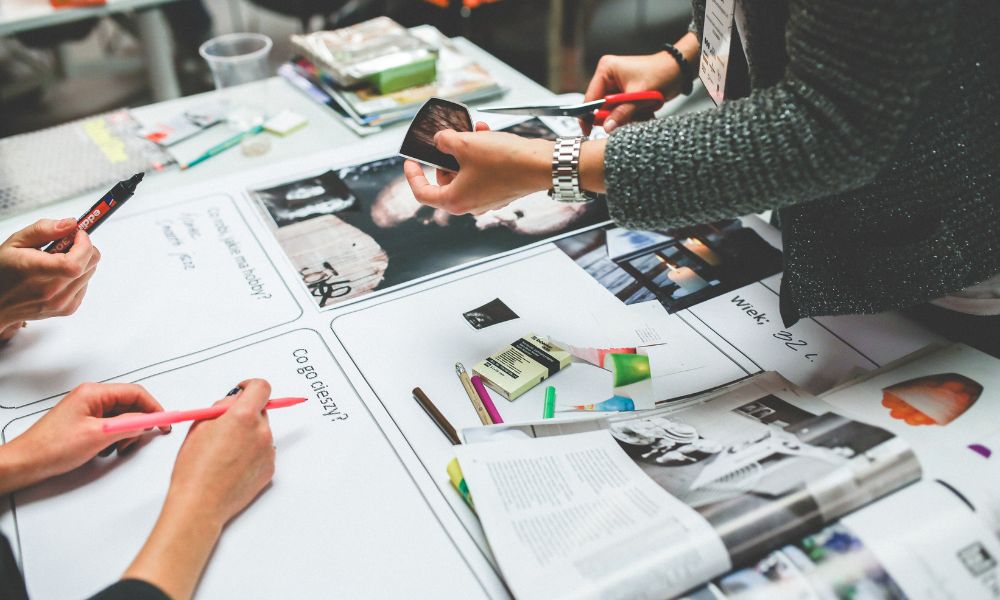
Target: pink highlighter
168,417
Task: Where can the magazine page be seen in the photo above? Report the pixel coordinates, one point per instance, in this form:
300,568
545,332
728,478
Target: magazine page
572,517
762,465
946,405
920,542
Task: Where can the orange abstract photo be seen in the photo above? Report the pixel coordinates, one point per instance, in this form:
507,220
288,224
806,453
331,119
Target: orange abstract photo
932,399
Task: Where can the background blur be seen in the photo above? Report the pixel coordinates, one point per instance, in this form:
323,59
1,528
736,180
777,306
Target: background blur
57,74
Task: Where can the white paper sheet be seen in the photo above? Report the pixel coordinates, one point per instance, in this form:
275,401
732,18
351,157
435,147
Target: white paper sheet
342,517
171,282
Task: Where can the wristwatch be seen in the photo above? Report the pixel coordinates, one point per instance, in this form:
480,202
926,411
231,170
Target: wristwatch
566,170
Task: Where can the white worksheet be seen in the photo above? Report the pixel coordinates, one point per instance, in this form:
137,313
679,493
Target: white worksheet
342,517
414,339
172,281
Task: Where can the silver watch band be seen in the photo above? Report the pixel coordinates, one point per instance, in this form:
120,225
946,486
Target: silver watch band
566,170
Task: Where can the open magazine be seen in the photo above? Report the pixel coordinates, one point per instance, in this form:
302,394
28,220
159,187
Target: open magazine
751,493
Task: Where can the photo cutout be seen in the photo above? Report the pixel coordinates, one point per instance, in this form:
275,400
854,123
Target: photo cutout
491,313
434,116
932,399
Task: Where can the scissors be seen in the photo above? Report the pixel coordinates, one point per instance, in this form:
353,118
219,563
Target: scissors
597,109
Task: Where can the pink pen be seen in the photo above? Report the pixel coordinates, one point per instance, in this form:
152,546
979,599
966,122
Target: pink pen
477,382
167,417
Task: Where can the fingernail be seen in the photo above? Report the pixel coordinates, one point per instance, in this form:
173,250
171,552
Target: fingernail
66,222
234,391
609,125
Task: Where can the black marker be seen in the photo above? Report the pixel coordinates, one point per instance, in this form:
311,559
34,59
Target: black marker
108,204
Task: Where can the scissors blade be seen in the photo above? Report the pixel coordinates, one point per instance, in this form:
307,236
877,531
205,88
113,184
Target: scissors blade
573,110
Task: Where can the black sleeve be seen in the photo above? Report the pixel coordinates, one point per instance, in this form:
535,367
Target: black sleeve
11,581
131,589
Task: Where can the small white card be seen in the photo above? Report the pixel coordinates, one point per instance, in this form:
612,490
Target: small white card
717,37
284,122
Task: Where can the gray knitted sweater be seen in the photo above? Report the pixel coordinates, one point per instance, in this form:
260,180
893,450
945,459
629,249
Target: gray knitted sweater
872,125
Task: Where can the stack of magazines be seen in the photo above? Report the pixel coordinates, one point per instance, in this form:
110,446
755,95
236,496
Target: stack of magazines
885,487
379,53
364,108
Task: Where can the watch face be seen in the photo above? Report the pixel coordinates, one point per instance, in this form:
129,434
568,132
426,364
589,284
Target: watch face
434,116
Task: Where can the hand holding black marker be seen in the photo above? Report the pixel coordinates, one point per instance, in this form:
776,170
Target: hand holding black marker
98,213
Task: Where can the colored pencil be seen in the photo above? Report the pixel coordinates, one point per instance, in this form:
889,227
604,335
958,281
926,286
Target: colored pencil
436,416
463,376
477,383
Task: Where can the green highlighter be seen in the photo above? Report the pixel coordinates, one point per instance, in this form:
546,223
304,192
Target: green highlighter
550,403
222,147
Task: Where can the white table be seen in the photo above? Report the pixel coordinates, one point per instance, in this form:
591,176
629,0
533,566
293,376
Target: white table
323,132
154,32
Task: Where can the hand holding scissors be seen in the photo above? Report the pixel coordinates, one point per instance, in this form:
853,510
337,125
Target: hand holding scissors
595,110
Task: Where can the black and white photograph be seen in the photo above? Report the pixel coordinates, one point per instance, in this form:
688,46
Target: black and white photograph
434,116
324,194
679,268
358,229
766,457
491,313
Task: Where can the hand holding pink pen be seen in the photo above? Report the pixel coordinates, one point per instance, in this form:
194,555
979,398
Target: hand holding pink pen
168,417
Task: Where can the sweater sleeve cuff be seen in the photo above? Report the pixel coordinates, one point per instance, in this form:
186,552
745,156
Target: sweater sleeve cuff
131,589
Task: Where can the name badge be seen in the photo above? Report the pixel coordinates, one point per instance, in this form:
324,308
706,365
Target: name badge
717,35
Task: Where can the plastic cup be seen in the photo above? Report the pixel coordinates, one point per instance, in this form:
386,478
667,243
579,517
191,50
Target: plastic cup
237,58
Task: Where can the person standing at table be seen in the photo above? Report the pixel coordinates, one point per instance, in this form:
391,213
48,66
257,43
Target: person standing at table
871,126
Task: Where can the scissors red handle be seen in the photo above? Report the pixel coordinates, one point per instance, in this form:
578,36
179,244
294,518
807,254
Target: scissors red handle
648,100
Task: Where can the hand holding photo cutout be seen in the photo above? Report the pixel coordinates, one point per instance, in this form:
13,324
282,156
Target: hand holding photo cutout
435,115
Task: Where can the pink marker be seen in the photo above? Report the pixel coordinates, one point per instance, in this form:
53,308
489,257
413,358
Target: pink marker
477,382
168,417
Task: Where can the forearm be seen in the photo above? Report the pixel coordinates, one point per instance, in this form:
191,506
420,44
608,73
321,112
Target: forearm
178,548
592,166
830,125
19,467
592,152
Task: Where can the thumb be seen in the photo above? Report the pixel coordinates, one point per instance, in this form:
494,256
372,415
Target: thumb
447,141
41,232
255,394
621,115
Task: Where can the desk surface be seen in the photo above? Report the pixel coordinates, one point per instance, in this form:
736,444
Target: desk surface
25,15
450,548
203,294
323,132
